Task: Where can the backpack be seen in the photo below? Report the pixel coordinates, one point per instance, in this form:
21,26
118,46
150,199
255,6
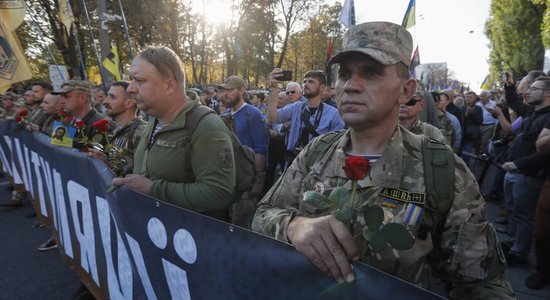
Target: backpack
439,167
245,162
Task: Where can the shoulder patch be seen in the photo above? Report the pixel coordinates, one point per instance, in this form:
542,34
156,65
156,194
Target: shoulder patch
224,160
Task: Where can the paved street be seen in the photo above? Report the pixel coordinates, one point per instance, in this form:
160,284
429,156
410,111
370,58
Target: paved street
26,273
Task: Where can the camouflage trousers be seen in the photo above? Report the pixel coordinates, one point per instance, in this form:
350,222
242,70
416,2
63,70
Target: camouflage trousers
242,212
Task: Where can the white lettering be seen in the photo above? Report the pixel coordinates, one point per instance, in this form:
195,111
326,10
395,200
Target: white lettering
60,215
140,265
49,184
157,233
6,164
177,281
78,195
118,289
42,201
21,163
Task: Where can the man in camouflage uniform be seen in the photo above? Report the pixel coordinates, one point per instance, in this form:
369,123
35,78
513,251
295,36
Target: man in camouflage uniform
122,108
373,81
408,116
8,105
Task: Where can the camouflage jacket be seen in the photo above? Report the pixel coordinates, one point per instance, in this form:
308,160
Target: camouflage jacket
468,257
446,127
127,136
428,130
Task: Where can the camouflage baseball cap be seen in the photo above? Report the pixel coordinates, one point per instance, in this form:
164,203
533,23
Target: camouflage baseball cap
385,42
233,82
9,95
74,85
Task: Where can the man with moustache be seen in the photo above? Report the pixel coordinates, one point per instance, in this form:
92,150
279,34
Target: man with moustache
460,248
251,130
307,119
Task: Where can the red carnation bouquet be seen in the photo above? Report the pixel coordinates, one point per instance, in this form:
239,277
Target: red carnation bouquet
21,118
101,127
346,209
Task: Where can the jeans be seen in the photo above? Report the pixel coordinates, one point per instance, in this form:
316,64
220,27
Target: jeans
521,193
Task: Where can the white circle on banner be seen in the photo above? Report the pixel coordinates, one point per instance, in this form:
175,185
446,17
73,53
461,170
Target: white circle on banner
157,233
185,246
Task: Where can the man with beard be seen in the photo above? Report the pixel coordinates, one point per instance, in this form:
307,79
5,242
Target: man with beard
526,168
122,108
251,130
39,91
307,119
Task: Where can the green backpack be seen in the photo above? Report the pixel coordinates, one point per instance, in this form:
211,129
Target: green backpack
245,162
439,168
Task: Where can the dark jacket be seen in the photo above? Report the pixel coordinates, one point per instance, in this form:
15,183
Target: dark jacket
523,152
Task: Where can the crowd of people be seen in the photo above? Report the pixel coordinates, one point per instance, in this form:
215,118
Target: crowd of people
302,133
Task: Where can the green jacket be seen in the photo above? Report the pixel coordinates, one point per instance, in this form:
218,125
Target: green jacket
196,172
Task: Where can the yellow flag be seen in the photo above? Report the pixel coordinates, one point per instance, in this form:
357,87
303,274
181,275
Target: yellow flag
66,15
13,64
112,64
12,13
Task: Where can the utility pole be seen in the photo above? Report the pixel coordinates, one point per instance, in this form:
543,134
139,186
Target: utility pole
104,41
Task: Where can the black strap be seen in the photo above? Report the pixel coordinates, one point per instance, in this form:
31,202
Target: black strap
309,129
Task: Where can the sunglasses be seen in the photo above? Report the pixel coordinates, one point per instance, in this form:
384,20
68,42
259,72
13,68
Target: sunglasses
290,92
412,102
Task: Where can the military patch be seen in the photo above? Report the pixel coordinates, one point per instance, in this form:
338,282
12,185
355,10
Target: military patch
389,203
224,160
388,216
404,196
412,216
8,60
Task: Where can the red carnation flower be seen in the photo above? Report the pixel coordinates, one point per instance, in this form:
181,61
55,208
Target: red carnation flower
101,125
356,167
23,113
69,118
79,125
18,119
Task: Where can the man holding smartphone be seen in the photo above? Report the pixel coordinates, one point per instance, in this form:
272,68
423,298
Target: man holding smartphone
307,119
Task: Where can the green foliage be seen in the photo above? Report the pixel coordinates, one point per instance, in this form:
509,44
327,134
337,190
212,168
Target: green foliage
514,31
545,27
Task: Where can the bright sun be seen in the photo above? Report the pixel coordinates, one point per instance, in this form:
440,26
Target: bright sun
217,11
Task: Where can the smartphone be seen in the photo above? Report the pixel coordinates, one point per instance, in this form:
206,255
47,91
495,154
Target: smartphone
287,75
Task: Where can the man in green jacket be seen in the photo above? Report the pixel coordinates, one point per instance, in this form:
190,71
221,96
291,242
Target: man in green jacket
191,170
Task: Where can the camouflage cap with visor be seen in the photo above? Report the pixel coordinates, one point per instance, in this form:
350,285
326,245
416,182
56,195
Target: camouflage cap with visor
232,82
385,42
74,85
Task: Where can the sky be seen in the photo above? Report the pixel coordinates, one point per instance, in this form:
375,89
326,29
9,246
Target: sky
448,31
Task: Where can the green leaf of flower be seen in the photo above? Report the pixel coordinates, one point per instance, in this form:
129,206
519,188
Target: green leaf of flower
97,138
317,200
339,197
397,236
374,215
375,238
344,214
369,195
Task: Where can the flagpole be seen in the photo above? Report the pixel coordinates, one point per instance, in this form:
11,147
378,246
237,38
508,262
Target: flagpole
31,14
75,34
94,46
126,30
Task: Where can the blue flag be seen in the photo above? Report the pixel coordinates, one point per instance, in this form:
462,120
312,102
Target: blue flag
409,20
347,14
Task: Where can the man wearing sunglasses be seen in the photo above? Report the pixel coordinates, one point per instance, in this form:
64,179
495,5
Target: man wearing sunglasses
294,92
408,117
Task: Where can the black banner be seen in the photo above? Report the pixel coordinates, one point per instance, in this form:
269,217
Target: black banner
125,245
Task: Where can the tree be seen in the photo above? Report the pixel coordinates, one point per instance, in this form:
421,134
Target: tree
514,31
545,28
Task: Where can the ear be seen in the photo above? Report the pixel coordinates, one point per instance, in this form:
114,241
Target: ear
172,86
130,103
409,87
